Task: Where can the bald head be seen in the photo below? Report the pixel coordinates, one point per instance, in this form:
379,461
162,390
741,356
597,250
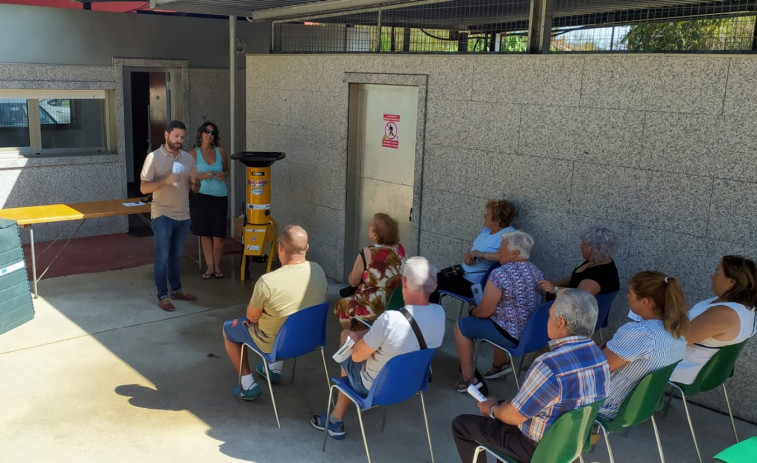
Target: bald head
294,240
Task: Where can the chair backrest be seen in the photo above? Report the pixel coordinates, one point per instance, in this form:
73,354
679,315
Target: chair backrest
644,398
718,369
488,272
395,301
301,332
534,336
402,377
604,302
564,440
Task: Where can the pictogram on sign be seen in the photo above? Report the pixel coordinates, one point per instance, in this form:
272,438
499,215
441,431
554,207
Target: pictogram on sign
390,139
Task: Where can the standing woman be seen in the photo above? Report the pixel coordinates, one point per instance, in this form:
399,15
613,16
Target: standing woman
208,207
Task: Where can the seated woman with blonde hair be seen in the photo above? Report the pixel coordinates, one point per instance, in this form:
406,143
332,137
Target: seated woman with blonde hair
376,273
641,347
723,320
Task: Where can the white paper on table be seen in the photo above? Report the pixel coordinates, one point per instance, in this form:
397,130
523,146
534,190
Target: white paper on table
138,203
345,351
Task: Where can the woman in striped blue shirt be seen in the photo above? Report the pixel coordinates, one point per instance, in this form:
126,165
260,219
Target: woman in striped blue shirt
640,347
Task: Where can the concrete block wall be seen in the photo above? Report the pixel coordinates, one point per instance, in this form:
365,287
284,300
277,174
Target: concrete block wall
660,147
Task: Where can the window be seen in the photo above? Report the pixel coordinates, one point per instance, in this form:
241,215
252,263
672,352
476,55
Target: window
53,122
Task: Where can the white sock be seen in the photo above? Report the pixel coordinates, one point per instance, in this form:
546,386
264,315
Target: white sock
247,381
276,366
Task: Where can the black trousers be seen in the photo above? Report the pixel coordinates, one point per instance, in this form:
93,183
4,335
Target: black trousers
470,431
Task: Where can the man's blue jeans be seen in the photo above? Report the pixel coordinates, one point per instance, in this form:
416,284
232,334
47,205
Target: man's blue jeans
169,247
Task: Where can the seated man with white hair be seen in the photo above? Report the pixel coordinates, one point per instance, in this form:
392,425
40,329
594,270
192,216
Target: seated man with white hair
390,335
573,374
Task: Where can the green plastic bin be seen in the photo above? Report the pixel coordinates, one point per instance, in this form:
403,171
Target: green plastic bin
16,305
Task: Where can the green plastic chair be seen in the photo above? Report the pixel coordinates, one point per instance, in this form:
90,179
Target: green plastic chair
743,452
714,373
639,406
563,441
395,301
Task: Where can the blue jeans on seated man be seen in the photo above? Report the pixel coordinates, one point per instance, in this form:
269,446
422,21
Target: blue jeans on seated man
170,235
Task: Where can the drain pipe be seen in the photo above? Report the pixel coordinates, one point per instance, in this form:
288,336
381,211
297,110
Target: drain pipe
232,117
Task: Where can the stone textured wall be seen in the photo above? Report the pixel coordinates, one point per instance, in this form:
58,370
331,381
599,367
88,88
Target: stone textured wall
663,148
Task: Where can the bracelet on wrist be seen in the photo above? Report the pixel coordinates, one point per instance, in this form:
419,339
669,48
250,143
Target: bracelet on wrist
491,411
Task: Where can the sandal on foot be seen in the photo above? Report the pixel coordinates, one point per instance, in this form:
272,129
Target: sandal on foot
497,371
206,276
462,386
218,275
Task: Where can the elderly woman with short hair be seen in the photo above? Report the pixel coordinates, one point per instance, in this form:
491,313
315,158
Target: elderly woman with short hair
597,274
511,296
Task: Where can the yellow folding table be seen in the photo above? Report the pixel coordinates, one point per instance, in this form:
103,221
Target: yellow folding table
28,216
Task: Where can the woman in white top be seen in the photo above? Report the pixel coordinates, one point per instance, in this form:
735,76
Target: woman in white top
723,320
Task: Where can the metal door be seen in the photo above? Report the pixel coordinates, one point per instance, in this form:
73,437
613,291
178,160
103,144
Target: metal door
382,134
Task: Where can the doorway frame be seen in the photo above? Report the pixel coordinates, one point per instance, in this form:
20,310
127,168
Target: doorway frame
352,242
179,70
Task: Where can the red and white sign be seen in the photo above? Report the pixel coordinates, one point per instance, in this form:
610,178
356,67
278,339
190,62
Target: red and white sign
391,139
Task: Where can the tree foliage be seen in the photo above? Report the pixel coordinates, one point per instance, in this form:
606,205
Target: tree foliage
705,34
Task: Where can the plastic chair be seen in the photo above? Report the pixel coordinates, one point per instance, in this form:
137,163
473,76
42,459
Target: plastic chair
402,377
302,332
533,338
604,303
743,452
714,373
639,406
395,302
464,299
564,440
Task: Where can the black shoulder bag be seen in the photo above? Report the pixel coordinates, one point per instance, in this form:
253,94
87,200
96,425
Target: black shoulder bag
414,326
348,291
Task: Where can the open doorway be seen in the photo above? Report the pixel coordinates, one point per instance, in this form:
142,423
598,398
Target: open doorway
149,105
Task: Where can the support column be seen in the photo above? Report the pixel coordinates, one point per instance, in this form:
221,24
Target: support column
540,26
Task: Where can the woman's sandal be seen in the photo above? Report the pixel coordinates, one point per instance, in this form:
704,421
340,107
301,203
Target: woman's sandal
462,385
218,275
497,371
206,276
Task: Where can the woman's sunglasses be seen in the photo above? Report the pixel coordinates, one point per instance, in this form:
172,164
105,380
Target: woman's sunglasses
211,131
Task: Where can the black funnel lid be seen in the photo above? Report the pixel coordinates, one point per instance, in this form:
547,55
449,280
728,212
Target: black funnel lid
258,158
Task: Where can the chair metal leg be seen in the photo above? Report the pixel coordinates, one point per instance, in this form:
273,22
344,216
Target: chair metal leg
657,438
325,368
294,367
362,430
580,458
607,442
730,413
478,451
328,412
688,418
270,389
516,372
239,378
428,431
383,419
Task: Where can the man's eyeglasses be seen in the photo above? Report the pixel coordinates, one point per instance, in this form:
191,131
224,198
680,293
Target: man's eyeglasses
211,131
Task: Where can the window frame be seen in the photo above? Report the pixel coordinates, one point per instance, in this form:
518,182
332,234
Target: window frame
33,97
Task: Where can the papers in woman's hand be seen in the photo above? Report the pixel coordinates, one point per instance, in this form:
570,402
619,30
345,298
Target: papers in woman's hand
473,391
344,351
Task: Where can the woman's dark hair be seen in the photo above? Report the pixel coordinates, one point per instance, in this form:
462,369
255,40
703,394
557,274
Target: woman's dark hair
216,138
668,299
502,210
386,228
743,272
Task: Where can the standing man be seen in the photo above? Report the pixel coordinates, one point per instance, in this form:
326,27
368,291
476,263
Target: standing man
573,374
169,173
297,285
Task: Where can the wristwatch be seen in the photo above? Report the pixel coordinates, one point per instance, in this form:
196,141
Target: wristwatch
557,288
491,411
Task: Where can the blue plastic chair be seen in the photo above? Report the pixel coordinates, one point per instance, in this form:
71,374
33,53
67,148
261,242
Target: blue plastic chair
604,303
533,338
467,300
302,332
402,377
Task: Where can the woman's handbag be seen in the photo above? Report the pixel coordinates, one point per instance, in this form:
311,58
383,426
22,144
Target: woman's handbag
452,272
348,291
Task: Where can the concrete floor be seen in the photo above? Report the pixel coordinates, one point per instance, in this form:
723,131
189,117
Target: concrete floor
101,374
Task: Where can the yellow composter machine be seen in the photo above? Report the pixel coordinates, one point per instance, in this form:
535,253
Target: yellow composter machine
260,230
